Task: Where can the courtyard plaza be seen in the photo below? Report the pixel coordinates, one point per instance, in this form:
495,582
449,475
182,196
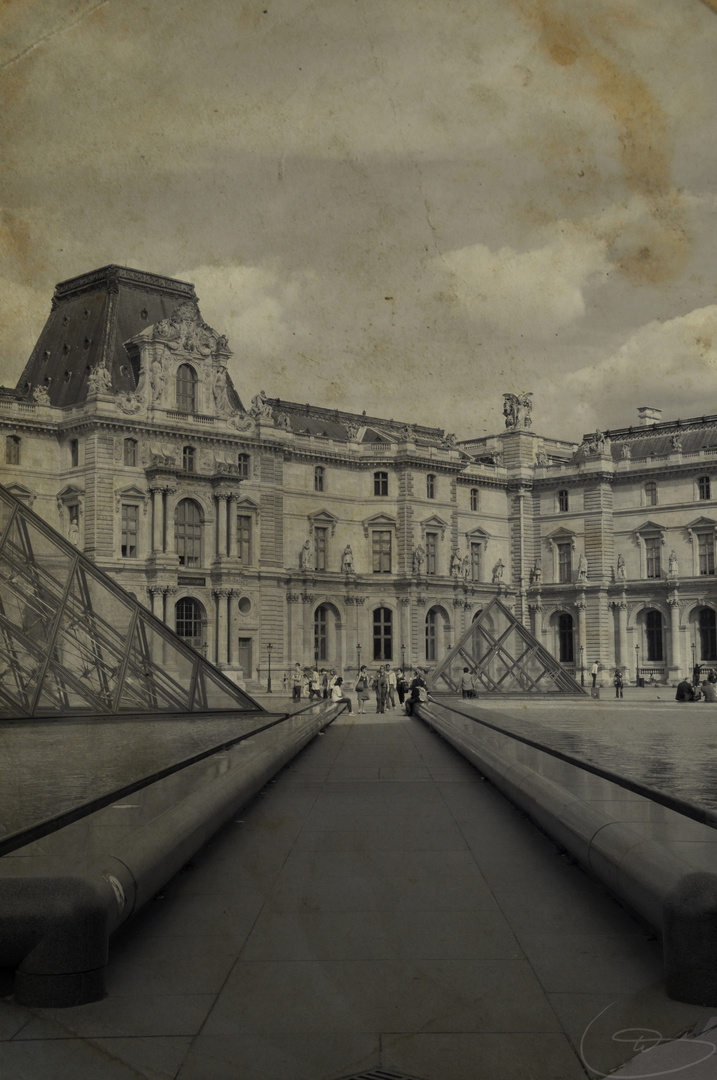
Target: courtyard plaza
380,906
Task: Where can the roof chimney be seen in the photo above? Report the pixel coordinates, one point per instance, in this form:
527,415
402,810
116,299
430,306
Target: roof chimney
648,415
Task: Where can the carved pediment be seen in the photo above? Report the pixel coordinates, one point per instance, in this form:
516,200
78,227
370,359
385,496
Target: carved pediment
133,494
561,536
649,527
22,493
186,333
378,521
701,523
70,493
434,523
322,519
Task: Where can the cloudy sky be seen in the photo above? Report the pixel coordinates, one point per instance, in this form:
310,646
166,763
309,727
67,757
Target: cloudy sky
404,206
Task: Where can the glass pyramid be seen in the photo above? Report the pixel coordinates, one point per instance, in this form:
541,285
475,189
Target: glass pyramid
73,642
503,658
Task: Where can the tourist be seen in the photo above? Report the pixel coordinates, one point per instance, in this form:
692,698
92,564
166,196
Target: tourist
709,690
685,691
618,683
594,672
418,693
402,687
392,684
467,683
337,694
296,682
381,688
314,685
362,691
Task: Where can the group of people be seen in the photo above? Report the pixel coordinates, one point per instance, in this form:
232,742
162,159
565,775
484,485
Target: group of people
696,690
388,685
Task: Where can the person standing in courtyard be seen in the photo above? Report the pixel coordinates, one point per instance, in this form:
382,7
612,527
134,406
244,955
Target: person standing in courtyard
362,690
466,683
392,684
618,683
296,683
594,672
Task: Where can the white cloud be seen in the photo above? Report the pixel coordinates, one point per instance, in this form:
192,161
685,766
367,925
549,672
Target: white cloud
534,292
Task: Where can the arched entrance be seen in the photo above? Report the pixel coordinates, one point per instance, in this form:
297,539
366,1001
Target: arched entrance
190,623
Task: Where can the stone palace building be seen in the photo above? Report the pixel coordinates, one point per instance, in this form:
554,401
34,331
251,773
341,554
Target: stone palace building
285,532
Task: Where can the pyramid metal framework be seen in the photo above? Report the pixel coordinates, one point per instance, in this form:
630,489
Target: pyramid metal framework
503,658
73,642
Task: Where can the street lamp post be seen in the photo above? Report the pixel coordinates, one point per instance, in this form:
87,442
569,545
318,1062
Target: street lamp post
403,659
694,680
582,665
637,664
268,681
358,659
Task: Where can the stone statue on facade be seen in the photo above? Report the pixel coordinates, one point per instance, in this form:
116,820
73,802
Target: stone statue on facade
676,441
305,556
498,570
541,458
599,444
466,568
517,409
673,564
582,568
419,556
456,563
221,393
260,407
536,574
73,533
626,452
352,431
347,560
41,395
450,441
99,380
283,420
621,573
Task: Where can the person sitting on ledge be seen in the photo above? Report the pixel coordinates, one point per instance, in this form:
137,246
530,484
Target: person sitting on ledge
337,694
709,690
685,691
418,693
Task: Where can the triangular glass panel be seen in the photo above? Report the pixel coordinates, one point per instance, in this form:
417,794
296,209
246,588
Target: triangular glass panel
502,657
73,641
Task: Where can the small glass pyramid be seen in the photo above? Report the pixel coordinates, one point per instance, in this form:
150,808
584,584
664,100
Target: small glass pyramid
503,658
73,642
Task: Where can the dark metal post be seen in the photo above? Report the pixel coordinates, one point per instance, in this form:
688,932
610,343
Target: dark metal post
582,665
637,664
268,681
403,659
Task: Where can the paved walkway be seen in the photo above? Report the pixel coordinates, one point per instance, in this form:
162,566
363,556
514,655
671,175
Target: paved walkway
378,905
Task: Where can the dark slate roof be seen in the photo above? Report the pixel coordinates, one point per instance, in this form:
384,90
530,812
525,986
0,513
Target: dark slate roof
92,316
310,419
657,440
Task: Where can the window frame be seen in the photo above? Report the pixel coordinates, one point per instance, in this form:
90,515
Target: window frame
126,532
653,557
319,478
704,488
74,453
12,449
430,485
381,550
380,484
243,465
321,547
654,636
380,637
244,538
650,493
129,455
566,638
431,540
564,552
563,500
191,537
475,499
189,459
185,385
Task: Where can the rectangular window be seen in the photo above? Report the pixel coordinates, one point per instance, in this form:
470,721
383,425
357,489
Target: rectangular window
320,545
707,554
130,529
243,465
431,553
652,556
244,538
380,483
431,486
565,562
12,450
704,487
381,551
476,562
74,453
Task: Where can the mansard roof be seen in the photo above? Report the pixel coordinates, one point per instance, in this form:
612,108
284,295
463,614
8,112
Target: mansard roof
307,419
91,317
657,440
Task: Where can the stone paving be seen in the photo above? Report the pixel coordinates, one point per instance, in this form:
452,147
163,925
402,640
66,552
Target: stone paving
379,905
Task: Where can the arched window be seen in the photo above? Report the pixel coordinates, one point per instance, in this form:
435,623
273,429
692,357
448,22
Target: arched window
563,501
566,638
704,487
321,634
380,483
383,634
186,389
188,533
431,629
474,498
188,458
653,634
188,614
708,634
651,493
130,451
319,478
430,486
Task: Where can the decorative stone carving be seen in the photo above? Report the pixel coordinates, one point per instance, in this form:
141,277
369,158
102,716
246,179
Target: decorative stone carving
419,557
626,452
456,564
466,567
260,407
582,568
536,574
450,441
621,572
242,422
129,403
41,395
517,409
676,441
347,560
305,556
598,444
283,420
498,571
99,380
541,458
673,563
352,431
222,405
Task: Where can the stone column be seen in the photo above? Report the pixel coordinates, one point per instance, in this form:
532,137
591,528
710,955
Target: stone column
307,600
536,610
233,623
220,595
152,590
294,645
232,511
157,520
622,657
221,547
582,633
168,606
675,668
167,542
